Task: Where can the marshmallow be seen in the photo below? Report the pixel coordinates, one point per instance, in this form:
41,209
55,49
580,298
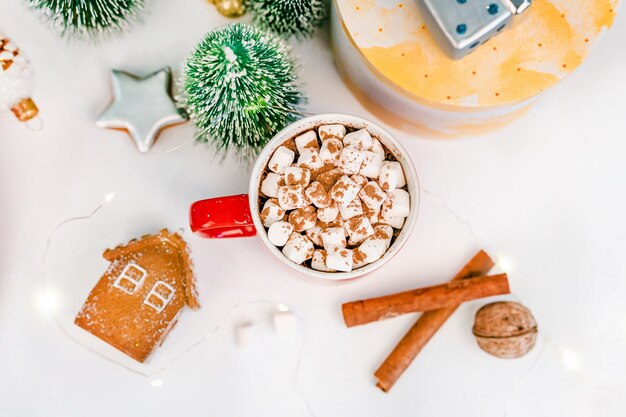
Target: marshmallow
358,259
344,190
297,176
319,261
315,234
391,176
339,259
372,249
395,222
359,179
285,323
331,131
372,164
307,140
350,160
397,204
311,159
244,334
329,178
291,197
361,139
316,193
331,150
333,236
384,232
372,196
377,147
303,218
373,215
328,214
282,158
298,248
270,184
279,233
272,212
359,229
353,208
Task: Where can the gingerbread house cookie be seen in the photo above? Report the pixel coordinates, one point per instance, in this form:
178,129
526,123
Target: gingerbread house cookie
137,301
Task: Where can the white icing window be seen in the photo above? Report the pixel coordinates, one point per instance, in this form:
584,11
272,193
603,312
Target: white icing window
159,296
131,278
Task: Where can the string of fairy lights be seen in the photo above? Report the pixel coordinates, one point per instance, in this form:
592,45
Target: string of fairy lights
49,301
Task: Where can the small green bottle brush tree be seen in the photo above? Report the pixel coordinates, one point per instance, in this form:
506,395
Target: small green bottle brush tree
88,18
240,88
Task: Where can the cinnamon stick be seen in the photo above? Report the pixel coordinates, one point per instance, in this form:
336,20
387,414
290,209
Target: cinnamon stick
424,299
424,329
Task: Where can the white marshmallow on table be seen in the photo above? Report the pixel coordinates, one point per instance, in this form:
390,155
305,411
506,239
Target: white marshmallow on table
333,236
359,228
297,176
303,219
378,148
315,234
331,150
397,204
311,159
270,184
328,214
307,140
372,195
372,164
350,160
359,179
339,259
344,190
361,139
271,212
291,197
336,131
395,222
282,158
353,208
244,334
391,176
279,232
319,261
317,195
285,323
298,248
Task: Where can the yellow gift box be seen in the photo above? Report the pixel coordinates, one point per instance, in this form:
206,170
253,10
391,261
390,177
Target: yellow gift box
389,58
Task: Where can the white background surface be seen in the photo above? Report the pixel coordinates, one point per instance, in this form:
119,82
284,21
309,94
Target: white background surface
545,193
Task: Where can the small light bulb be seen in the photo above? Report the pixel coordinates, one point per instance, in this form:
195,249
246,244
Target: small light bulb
109,197
282,307
156,383
47,301
572,360
505,264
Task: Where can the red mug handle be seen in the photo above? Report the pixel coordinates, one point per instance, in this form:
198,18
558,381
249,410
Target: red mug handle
222,217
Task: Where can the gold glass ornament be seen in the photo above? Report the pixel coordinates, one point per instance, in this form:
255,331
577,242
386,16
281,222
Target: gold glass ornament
230,8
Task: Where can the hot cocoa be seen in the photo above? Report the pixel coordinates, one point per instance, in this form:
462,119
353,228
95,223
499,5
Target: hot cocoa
334,198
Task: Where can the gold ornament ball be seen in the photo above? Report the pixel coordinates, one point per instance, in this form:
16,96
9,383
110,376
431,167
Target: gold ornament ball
230,8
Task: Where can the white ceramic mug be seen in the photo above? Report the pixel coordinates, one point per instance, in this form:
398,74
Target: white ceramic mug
239,215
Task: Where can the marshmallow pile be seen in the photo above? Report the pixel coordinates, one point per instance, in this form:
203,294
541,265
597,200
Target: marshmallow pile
333,200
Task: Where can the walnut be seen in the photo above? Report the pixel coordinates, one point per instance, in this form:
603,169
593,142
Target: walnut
505,329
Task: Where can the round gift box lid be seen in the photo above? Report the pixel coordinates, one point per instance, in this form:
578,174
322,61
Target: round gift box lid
552,38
